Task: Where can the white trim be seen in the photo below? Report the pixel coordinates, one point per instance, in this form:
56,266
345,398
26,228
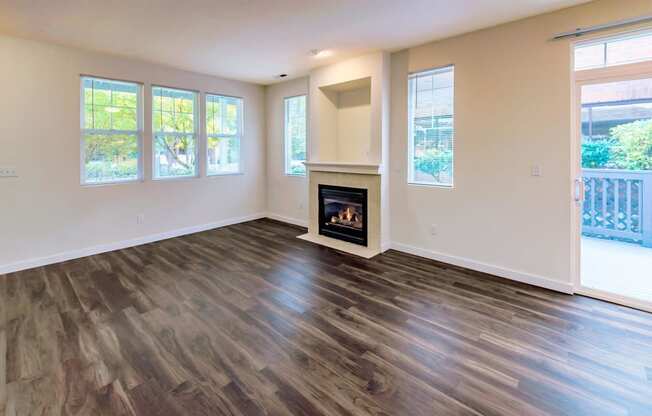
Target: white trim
289,220
606,40
454,260
139,132
639,70
196,136
345,167
575,246
238,136
411,102
119,245
384,246
602,75
355,249
515,275
614,298
285,133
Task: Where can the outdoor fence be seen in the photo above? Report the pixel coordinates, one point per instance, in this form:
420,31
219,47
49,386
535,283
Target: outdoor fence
618,205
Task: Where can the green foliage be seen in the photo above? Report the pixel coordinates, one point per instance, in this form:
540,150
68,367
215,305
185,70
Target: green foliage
107,109
297,169
101,170
222,115
110,158
295,126
434,162
179,154
598,154
629,147
298,150
636,143
173,111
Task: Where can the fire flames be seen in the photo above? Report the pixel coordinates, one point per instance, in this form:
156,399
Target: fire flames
348,216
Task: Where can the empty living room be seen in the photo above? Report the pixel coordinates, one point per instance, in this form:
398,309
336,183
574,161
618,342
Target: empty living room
326,207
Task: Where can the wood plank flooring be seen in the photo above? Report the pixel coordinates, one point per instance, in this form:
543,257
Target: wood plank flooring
248,320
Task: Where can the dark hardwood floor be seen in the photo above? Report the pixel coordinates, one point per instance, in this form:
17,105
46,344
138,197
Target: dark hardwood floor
249,320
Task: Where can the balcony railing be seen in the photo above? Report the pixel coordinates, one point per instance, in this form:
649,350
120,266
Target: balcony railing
618,205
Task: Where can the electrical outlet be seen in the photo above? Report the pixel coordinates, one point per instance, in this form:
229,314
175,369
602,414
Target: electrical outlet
8,172
300,205
433,229
140,218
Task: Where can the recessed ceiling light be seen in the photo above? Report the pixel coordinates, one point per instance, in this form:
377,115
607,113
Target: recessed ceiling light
320,53
283,75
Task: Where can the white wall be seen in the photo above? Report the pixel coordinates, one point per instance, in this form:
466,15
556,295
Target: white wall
287,196
512,111
323,106
353,125
45,211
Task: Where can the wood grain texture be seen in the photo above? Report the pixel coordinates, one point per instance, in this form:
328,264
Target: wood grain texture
249,320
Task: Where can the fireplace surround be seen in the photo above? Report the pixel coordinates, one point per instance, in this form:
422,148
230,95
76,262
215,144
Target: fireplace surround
343,213
349,151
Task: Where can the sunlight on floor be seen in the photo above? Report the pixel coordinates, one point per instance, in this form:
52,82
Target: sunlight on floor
620,268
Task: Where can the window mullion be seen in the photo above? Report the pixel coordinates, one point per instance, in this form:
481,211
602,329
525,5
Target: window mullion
430,155
223,154
109,155
176,161
293,135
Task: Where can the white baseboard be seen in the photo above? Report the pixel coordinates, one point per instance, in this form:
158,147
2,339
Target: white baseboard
294,221
118,245
614,298
445,258
518,276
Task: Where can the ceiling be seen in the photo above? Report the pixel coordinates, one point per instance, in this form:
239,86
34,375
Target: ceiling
255,40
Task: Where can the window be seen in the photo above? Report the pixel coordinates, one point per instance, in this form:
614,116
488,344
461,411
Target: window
111,123
223,131
175,133
431,132
295,135
631,48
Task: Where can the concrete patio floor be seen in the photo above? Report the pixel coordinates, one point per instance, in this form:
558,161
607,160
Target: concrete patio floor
615,267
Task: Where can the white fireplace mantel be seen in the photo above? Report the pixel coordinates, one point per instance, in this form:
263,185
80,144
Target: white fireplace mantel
345,167
348,141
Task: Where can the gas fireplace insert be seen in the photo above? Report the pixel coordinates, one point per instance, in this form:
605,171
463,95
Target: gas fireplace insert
343,213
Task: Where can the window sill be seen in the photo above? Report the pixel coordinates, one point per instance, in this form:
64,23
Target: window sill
175,178
217,175
112,183
431,185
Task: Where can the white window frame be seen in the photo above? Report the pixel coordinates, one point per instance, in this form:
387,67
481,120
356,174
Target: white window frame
195,134
410,152
286,143
84,131
239,136
604,40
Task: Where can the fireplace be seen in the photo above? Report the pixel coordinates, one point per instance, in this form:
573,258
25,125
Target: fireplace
343,213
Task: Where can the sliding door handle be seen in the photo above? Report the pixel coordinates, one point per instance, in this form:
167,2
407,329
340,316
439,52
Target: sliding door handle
579,190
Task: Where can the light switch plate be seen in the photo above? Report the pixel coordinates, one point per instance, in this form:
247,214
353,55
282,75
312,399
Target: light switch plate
8,172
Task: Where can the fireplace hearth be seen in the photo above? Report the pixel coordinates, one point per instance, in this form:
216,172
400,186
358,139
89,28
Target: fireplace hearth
343,213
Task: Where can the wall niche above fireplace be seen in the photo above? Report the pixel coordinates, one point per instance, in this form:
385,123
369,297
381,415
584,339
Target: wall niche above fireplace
347,107
348,148
343,213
